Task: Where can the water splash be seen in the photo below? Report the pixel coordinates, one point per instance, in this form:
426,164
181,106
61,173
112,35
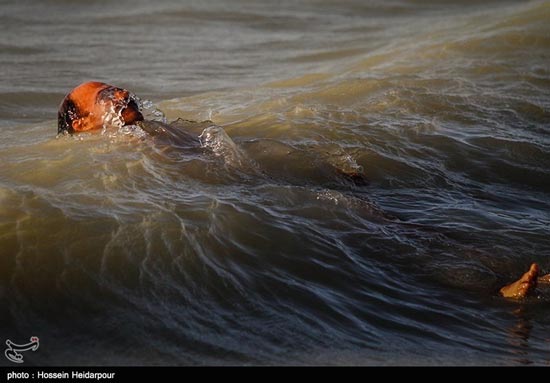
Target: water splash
113,116
149,110
216,139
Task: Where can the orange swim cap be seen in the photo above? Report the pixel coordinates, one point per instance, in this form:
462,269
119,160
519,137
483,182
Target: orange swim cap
93,105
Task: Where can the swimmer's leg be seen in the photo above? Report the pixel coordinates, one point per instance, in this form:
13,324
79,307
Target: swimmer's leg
523,286
356,177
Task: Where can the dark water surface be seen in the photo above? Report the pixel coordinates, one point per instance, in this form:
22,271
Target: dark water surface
121,248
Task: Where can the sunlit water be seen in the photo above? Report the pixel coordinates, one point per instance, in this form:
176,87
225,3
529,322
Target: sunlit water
242,240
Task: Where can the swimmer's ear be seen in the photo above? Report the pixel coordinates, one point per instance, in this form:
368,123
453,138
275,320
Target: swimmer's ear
66,116
77,125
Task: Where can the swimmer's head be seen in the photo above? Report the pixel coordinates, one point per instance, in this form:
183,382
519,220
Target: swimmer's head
93,105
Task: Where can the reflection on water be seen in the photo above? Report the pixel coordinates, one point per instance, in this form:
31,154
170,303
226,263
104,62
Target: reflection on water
525,335
363,180
519,334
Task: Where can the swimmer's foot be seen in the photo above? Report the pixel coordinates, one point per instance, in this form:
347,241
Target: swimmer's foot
545,279
523,286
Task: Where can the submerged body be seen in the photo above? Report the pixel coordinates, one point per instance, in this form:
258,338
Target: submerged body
93,106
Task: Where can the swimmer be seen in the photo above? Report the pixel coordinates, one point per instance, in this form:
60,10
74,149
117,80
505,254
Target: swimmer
94,105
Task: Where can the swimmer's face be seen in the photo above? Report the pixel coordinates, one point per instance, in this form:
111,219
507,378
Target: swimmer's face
93,105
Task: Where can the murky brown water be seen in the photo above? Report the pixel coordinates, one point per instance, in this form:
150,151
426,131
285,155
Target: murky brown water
122,248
